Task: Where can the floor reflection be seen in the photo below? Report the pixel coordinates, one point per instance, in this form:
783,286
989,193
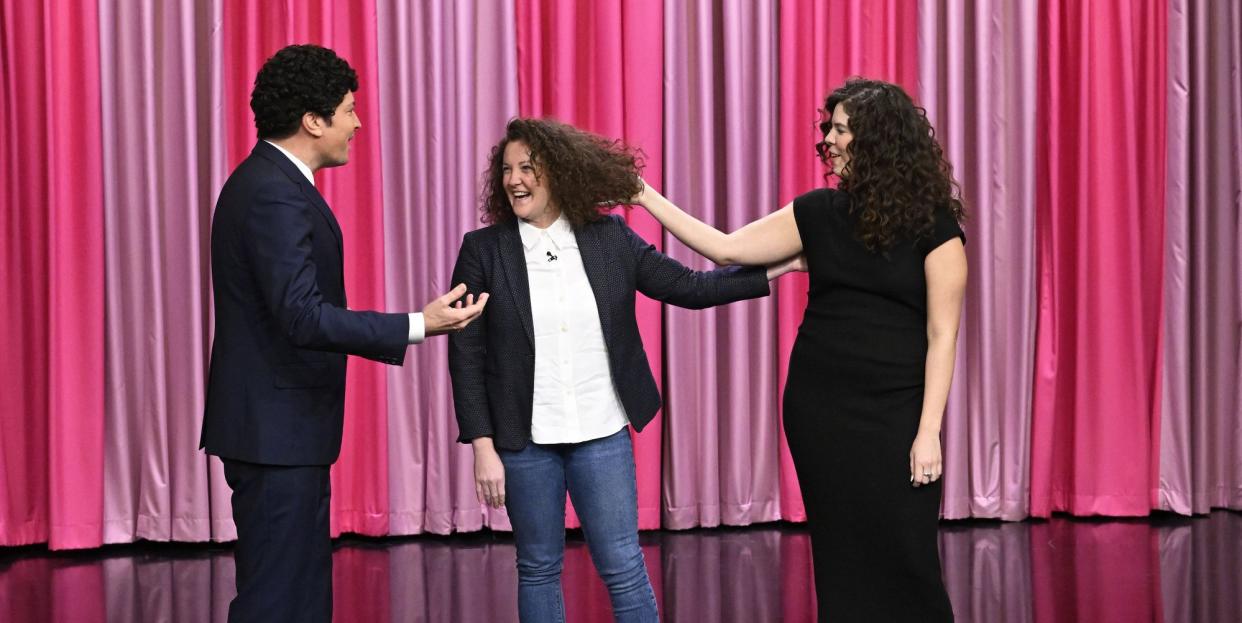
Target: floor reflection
1164,569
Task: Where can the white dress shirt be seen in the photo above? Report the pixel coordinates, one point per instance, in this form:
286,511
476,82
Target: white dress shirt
575,399
418,329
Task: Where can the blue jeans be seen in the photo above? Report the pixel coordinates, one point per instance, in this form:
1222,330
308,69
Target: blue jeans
599,476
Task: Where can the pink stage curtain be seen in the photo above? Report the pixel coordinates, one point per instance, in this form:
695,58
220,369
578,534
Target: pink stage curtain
822,44
1200,440
1099,360
157,205
252,33
982,106
723,432
449,84
1100,236
598,65
51,265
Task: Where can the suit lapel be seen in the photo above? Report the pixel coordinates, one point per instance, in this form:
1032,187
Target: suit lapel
282,162
596,264
324,211
513,260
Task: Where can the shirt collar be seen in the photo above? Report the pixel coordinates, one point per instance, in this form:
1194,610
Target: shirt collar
560,232
310,176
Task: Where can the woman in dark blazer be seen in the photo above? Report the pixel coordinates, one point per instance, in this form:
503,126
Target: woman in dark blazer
548,380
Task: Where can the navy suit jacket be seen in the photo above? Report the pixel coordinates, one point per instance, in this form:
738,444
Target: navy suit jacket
276,390
492,361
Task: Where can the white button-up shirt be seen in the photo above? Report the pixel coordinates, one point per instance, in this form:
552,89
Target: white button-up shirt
575,399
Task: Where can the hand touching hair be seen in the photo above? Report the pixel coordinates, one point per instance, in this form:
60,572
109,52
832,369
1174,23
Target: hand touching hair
582,170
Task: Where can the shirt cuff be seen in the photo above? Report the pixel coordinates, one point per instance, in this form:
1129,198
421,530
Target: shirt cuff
418,329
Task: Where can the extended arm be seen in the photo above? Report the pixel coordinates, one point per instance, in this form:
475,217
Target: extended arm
665,279
769,240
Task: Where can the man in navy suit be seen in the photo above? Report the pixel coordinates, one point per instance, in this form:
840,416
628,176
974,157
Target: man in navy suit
276,392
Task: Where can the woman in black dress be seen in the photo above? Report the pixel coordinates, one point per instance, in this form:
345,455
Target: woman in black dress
870,370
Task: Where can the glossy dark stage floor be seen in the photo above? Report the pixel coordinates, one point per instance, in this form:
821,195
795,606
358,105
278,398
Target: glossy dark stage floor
1166,568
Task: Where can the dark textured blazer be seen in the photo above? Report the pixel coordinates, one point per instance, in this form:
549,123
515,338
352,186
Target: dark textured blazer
276,388
492,361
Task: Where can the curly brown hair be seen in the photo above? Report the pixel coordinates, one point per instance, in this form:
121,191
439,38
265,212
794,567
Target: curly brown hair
296,80
583,170
897,175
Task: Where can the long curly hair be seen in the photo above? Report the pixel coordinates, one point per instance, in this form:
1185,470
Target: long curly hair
897,175
296,80
584,172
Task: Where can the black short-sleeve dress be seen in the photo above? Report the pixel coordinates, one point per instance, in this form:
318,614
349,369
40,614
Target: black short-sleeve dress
852,406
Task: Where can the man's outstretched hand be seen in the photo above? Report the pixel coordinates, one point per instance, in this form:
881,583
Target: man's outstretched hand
444,316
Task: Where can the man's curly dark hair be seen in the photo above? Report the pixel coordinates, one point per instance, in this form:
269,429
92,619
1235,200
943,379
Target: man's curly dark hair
897,175
582,170
296,80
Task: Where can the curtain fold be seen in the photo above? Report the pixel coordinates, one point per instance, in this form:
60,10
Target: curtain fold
1201,443
160,139
449,84
722,461
218,169
1100,251
75,348
982,106
52,399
